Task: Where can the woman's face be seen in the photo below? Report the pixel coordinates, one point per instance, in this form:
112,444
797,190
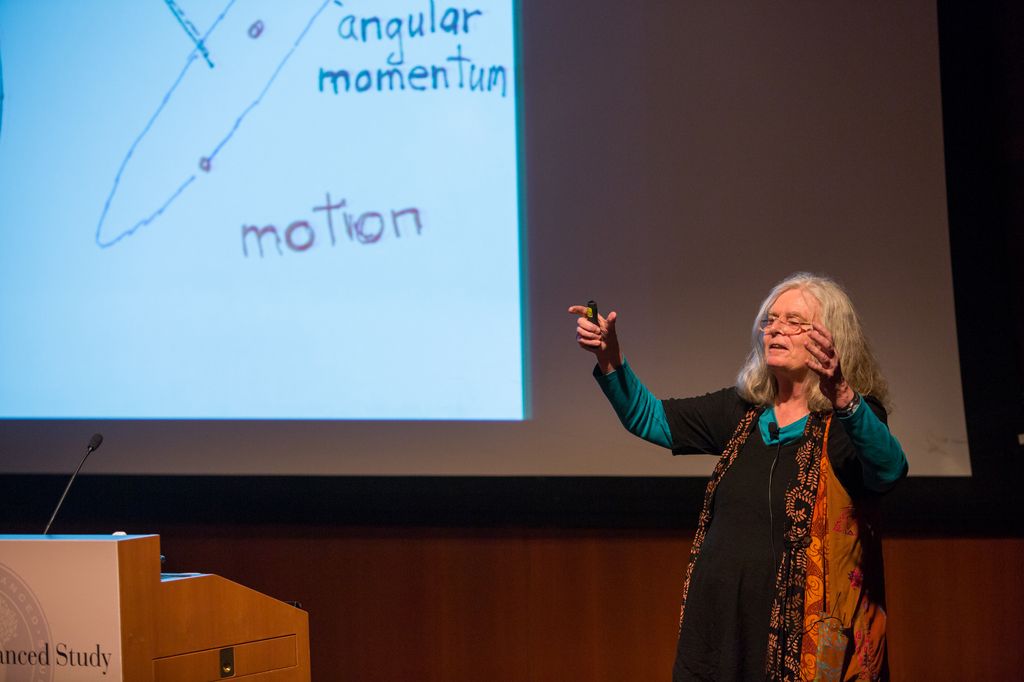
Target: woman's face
786,353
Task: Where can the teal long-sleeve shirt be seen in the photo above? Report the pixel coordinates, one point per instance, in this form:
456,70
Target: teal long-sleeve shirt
883,461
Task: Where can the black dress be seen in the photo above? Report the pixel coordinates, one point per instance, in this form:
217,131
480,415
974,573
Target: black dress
724,634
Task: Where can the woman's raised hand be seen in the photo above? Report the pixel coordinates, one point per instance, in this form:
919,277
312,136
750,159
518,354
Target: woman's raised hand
824,361
600,339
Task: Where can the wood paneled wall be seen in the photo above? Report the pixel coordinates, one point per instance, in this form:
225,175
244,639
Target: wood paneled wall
517,605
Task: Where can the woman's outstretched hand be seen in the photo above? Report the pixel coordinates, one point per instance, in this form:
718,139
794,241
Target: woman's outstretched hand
600,339
824,361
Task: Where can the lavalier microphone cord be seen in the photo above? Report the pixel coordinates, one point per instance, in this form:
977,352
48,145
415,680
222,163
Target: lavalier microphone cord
773,432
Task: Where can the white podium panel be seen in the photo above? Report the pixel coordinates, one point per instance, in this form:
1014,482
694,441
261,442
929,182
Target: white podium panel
60,606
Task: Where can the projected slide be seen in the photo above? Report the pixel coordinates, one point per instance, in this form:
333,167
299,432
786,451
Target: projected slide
254,209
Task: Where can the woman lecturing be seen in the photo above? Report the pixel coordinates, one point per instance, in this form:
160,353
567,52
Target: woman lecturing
785,574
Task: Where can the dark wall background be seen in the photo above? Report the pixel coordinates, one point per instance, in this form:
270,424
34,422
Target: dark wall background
454,578
983,107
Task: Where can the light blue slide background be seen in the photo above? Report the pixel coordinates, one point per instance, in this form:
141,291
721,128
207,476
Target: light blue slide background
172,320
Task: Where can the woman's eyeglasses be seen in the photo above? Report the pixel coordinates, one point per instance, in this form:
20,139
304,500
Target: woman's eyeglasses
790,327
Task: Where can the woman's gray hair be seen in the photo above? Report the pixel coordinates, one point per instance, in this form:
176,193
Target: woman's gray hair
757,384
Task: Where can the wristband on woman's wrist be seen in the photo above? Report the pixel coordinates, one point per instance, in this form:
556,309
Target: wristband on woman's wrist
850,408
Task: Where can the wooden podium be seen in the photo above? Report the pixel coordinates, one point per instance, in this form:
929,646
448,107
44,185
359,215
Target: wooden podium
89,607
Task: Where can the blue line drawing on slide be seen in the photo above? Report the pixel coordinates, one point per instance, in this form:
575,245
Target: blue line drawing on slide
214,89
190,29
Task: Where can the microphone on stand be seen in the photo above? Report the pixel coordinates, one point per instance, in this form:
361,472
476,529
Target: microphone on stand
94,443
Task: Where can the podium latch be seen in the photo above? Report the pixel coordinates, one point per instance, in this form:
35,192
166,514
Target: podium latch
227,662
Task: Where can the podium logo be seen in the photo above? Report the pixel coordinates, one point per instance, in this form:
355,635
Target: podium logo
24,632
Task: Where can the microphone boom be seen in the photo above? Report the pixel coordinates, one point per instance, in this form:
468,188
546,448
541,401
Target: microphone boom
94,442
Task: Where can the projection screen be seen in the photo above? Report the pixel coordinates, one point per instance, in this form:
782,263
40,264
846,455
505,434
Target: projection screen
340,238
